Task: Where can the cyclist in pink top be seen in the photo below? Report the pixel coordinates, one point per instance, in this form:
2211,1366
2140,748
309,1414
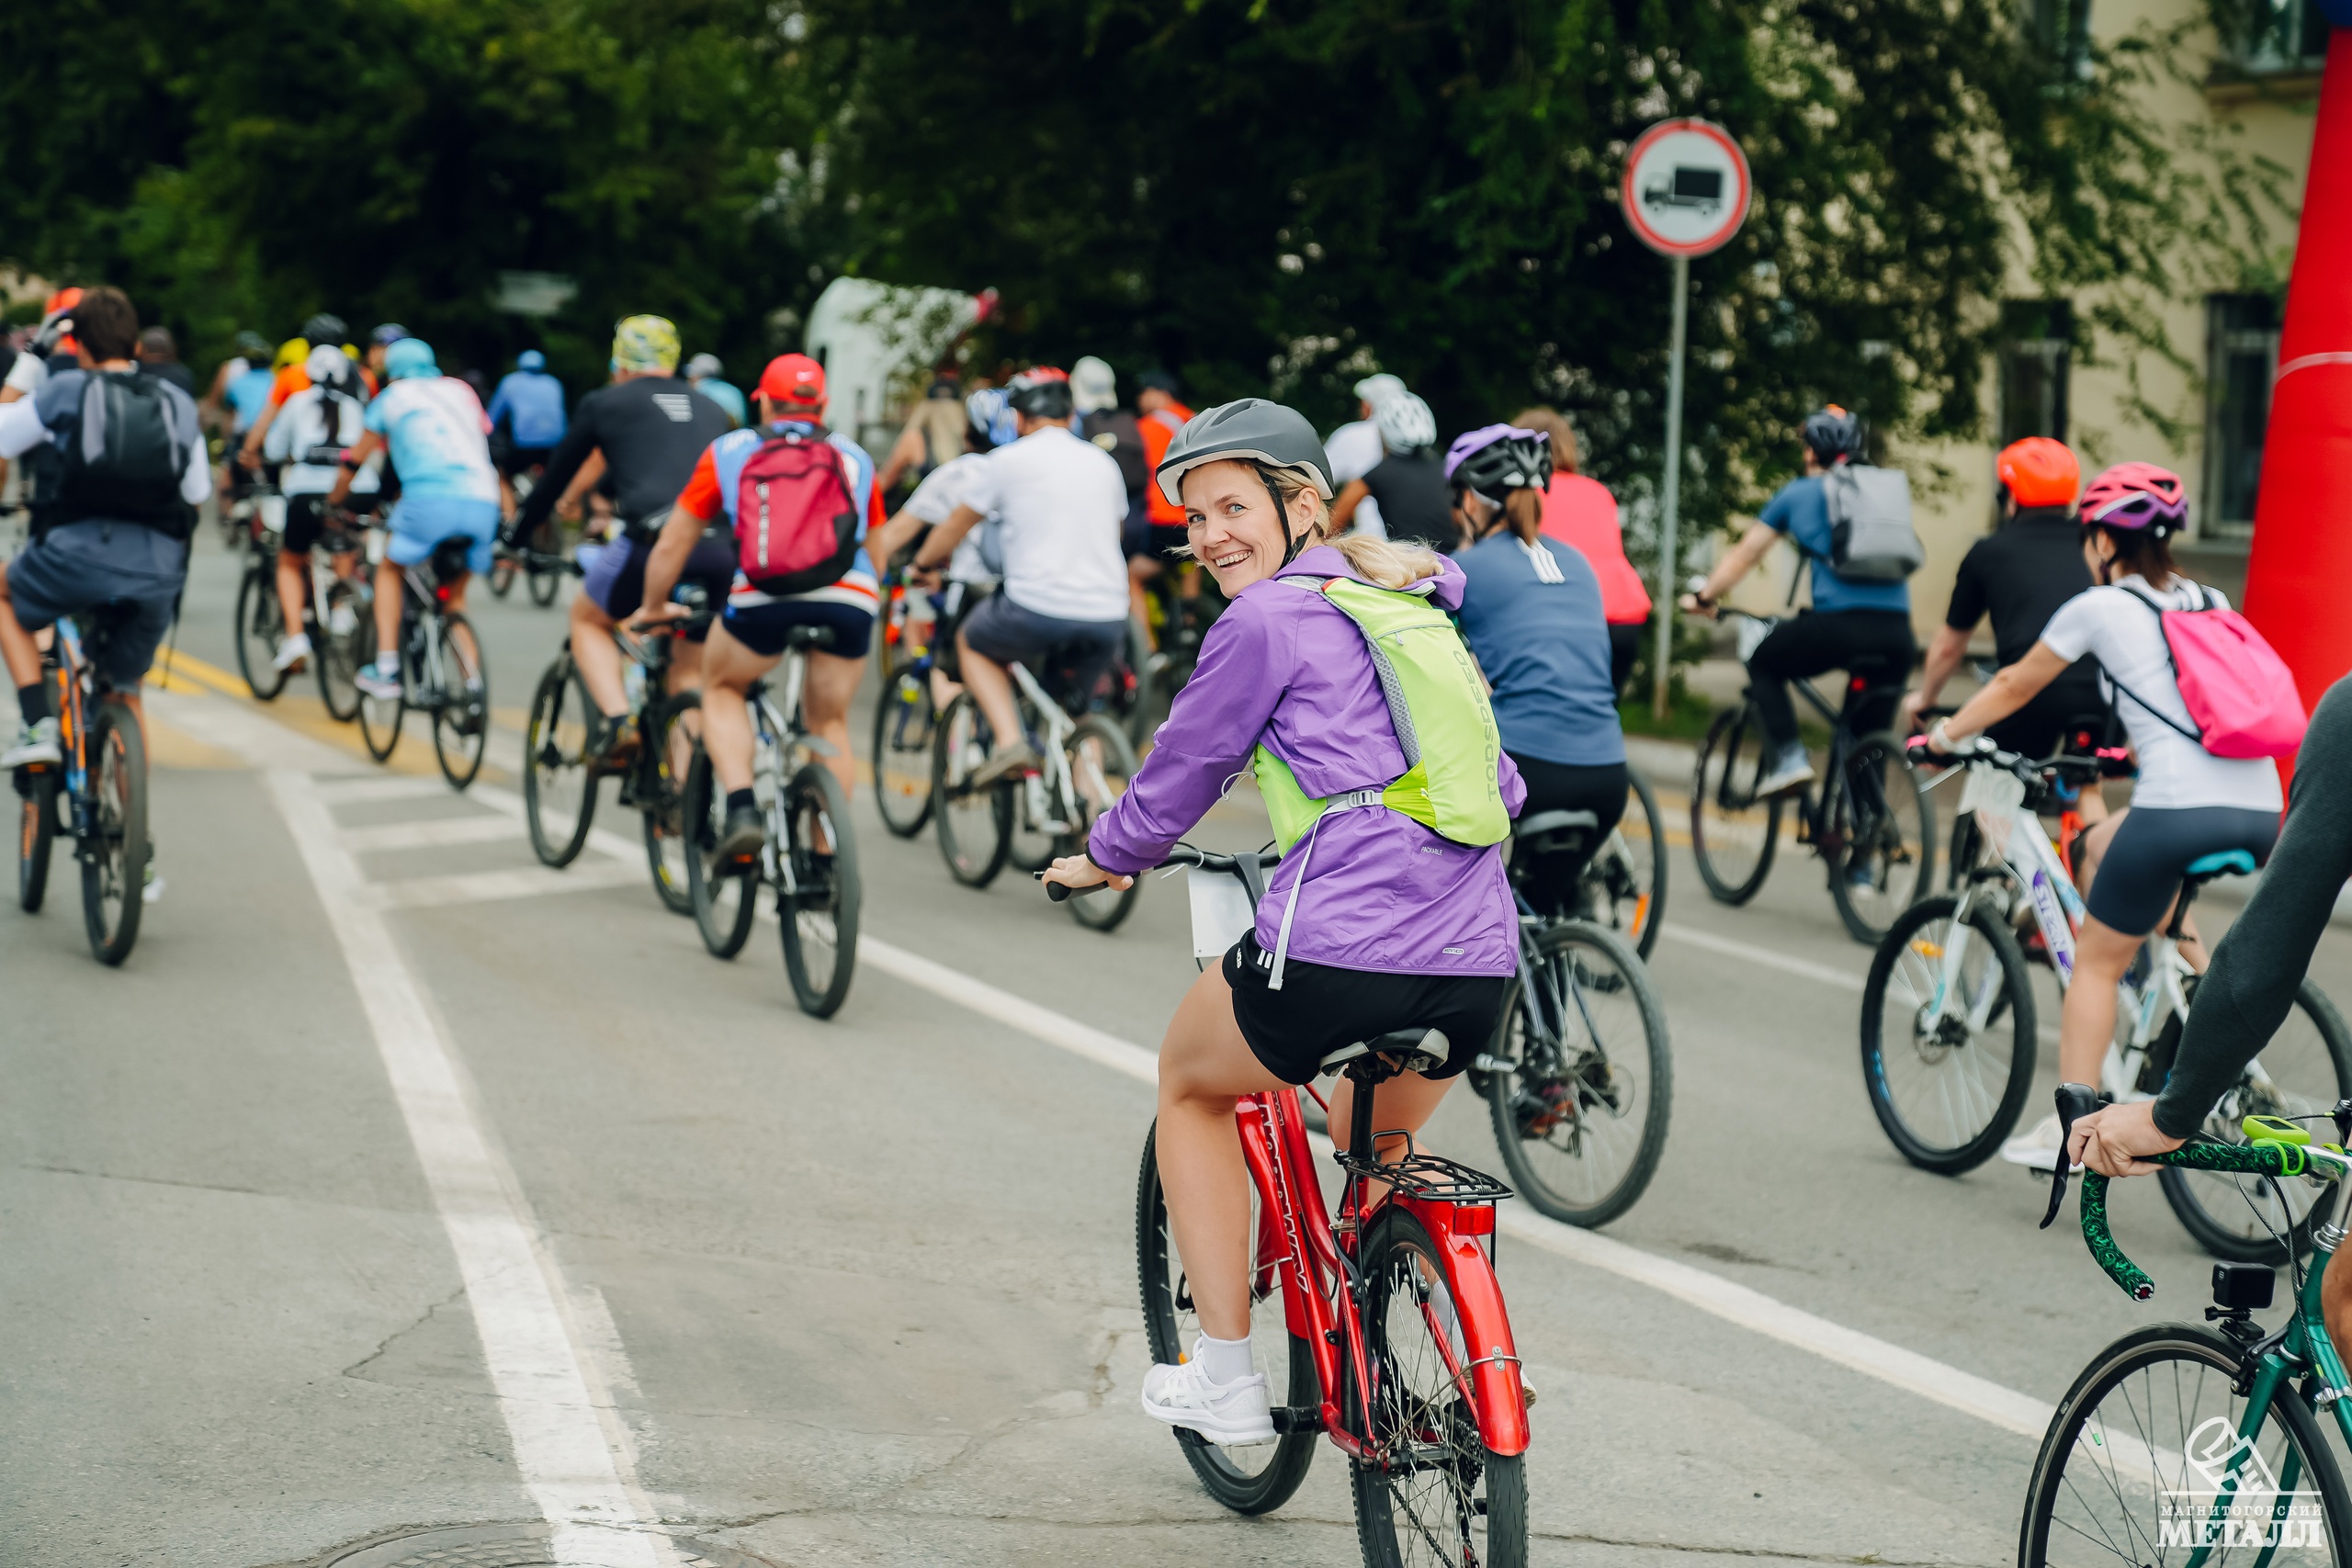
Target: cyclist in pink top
1582,515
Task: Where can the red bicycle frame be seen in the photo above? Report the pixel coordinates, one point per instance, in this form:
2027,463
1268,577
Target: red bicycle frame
1318,1261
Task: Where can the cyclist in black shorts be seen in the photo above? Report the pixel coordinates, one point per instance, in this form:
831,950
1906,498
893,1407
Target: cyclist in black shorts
2020,575
650,428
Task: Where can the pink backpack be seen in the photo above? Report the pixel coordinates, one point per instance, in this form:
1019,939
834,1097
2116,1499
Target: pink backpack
796,523
2237,690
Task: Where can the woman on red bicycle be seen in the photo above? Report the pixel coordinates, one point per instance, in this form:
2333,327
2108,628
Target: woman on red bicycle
2187,804
1396,927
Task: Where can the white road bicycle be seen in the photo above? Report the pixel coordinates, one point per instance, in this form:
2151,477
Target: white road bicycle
1949,1029
809,856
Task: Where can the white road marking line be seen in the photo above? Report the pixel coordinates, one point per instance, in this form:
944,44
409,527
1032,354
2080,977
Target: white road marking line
355,792
488,886
582,1484
1844,979
604,841
430,833
1711,1294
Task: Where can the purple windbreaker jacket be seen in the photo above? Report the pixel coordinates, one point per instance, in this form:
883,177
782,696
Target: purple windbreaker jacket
1383,893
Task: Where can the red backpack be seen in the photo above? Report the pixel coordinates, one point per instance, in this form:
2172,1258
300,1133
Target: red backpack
795,521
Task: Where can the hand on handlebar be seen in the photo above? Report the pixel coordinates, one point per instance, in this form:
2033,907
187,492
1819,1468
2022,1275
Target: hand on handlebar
1695,603
1081,874
2115,1139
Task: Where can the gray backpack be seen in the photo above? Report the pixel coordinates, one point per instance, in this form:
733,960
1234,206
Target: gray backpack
1871,536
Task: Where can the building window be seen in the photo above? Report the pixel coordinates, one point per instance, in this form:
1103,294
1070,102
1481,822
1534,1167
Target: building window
2036,350
2283,35
2241,357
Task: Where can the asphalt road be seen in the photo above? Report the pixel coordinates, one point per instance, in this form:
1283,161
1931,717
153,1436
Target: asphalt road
395,1184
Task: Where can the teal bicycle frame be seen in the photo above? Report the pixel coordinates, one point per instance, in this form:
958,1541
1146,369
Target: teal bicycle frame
2301,1350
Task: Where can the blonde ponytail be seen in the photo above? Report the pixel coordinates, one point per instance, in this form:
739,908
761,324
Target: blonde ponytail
1384,564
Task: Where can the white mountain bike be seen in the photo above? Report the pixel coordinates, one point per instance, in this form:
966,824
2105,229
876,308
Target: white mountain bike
1950,1027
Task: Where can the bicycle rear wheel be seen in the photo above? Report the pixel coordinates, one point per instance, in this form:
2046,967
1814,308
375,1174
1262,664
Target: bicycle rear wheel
462,714
676,726
1257,1478
725,904
544,584
1101,763
818,904
1581,1113
904,720
337,658
559,790
1733,833
1885,828
974,826
261,623
379,717
1443,1499
1626,883
1948,1089
2302,1071
114,859
2128,1471
36,835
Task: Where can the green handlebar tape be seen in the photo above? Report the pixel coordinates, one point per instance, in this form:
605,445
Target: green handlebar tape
2257,1159
2101,1241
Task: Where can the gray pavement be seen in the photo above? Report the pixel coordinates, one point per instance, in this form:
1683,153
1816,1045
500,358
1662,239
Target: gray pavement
860,1291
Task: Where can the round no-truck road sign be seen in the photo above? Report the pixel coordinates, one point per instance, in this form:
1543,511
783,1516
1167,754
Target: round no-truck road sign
1686,188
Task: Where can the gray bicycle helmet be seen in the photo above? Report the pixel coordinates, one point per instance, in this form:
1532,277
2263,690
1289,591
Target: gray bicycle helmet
324,327
1248,431
1833,432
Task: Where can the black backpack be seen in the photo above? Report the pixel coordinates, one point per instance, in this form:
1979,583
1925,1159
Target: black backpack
124,452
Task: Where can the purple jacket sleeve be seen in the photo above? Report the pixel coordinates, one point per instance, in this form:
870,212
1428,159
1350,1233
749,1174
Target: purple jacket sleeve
1514,787
1215,720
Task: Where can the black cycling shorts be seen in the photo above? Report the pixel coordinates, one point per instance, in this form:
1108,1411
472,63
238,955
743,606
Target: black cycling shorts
1549,880
1321,1007
306,525
2151,851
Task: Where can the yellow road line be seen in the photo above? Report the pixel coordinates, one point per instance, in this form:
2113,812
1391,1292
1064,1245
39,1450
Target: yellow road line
183,663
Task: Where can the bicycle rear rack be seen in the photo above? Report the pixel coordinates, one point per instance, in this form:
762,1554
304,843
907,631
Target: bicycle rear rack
1432,1178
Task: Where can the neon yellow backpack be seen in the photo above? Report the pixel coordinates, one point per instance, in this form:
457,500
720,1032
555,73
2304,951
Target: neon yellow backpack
1444,725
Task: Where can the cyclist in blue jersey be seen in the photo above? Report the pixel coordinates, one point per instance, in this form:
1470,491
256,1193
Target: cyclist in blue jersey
1850,622
1532,612
526,419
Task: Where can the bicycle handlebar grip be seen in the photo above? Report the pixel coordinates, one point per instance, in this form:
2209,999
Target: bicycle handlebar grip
2257,1159
2127,1274
1061,893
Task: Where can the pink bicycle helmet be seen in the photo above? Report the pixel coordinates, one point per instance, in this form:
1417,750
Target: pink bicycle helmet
2136,495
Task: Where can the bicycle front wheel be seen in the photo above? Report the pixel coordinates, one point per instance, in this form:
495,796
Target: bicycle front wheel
1582,1104
974,826
671,733
559,790
1885,828
1258,1478
904,720
1443,1499
1626,883
2303,1071
461,711
724,904
261,624
338,655
1733,833
114,858
36,835
2145,1462
1947,1058
379,717
818,904
1101,763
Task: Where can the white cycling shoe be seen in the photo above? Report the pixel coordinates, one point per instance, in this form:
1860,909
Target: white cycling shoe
2037,1149
1230,1414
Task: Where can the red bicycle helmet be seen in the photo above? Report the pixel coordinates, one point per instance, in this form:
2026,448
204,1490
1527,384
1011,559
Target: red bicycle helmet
2136,495
2038,472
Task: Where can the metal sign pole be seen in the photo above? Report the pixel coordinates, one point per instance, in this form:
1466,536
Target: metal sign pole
1671,501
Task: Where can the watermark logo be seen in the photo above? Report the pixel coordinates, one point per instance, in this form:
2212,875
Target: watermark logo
2230,1496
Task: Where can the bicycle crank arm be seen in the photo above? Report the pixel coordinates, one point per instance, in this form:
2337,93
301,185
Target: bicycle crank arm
1290,1418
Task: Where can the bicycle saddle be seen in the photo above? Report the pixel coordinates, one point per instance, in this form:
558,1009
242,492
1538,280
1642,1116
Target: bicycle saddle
1552,832
450,558
2224,863
1416,1049
808,636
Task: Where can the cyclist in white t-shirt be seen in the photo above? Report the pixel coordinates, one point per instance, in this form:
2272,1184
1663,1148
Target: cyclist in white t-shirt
978,563
1062,612
1356,448
2187,802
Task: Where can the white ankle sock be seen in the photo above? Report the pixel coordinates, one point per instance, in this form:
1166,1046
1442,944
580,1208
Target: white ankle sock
387,664
1225,1360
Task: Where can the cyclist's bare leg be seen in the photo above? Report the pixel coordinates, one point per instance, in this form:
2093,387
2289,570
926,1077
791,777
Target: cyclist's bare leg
467,649
824,706
1205,1068
17,648
2087,1024
728,670
388,607
293,584
992,688
686,666
598,659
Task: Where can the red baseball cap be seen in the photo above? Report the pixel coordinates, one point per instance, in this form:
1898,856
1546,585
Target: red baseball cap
794,378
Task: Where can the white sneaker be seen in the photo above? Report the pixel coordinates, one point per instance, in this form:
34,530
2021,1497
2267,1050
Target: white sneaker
291,651
151,890
1233,1415
343,620
35,743
375,683
1793,771
2037,1149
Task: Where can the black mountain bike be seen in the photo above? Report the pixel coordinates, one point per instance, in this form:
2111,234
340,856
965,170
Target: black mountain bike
1870,819
335,613
97,797
441,670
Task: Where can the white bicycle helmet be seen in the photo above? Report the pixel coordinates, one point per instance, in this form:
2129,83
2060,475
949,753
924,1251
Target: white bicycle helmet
1405,422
